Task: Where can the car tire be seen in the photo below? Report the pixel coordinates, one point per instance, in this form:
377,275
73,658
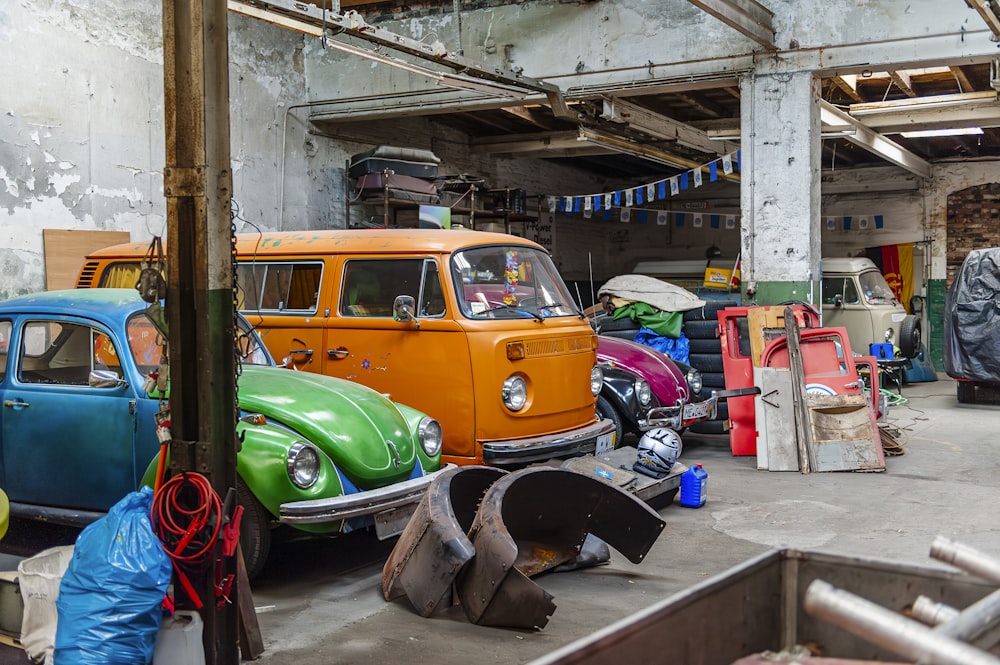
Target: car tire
710,311
608,324
706,362
909,337
713,380
966,392
701,329
699,346
255,530
608,412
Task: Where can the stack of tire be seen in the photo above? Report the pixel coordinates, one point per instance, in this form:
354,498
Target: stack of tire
701,327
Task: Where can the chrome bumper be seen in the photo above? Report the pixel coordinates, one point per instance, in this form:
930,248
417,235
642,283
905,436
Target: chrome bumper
580,441
679,417
346,506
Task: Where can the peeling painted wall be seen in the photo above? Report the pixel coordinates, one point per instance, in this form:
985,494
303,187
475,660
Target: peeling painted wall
81,123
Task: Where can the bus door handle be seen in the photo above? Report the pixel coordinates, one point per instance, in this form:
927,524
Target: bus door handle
299,352
338,353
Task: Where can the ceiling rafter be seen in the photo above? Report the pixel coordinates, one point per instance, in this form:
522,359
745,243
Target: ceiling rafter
749,17
848,83
871,140
902,80
662,127
987,10
964,84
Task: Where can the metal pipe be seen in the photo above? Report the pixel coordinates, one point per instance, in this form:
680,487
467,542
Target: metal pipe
888,629
974,621
932,612
967,558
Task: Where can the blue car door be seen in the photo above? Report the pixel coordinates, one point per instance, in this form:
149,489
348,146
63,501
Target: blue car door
66,443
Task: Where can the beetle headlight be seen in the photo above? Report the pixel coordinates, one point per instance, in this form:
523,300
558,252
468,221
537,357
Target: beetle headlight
642,392
303,465
596,380
693,378
429,432
515,393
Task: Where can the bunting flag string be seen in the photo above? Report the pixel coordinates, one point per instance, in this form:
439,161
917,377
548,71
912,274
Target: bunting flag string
842,223
632,197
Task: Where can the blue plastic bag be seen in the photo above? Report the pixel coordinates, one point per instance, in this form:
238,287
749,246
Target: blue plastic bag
678,349
110,598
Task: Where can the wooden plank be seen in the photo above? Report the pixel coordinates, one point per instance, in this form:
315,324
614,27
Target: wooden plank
776,447
65,251
251,640
803,428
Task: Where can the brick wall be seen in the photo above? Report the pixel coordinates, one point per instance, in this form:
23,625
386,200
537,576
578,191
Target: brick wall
973,222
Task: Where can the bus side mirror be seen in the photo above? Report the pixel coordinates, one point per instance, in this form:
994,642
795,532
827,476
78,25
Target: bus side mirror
402,310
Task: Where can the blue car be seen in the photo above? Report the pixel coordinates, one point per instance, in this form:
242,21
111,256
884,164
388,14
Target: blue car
319,455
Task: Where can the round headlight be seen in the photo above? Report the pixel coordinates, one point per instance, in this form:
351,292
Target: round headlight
430,435
693,378
515,393
303,465
642,392
889,334
596,380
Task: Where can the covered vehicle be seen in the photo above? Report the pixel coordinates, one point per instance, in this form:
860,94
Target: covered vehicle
972,324
77,430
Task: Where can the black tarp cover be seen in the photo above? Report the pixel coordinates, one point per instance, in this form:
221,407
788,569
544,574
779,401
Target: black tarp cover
972,319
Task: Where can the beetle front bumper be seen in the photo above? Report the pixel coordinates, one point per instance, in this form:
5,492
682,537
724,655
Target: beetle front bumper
581,441
359,504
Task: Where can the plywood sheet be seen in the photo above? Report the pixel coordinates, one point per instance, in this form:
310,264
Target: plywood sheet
66,249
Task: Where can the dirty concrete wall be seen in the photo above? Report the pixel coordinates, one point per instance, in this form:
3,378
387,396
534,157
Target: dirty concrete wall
81,123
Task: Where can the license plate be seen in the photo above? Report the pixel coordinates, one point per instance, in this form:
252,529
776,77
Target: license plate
605,443
696,410
389,523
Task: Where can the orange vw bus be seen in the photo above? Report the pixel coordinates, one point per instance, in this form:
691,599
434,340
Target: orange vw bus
476,329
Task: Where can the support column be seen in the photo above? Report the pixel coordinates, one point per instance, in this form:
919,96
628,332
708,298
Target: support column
780,193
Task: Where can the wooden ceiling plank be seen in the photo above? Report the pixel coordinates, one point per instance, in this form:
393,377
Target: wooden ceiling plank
903,82
749,17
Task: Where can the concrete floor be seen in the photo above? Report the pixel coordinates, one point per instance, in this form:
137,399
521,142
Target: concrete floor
321,602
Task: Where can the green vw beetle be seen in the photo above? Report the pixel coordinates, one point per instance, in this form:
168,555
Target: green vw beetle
77,430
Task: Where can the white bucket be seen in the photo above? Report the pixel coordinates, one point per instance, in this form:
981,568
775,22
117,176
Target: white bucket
39,578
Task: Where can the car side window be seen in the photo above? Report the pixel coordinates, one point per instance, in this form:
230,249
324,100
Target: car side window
64,353
840,286
431,292
278,286
371,285
5,329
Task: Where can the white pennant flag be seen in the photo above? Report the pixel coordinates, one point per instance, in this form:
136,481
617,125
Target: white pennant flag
587,212
674,186
553,202
568,203
661,217
697,177
831,223
697,221
727,164
650,192
607,201
629,197
730,222
626,214
863,223
587,204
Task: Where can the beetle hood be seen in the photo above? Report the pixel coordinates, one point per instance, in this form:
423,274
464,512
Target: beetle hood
361,430
664,377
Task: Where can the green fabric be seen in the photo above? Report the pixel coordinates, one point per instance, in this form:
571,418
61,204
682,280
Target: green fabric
667,324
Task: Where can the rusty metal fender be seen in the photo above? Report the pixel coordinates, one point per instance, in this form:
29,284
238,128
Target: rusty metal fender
533,520
434,546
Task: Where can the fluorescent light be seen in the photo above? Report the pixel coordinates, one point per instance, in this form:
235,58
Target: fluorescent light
954,131
384,59
465,82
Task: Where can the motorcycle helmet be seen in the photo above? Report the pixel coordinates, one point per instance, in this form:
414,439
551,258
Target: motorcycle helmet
659,448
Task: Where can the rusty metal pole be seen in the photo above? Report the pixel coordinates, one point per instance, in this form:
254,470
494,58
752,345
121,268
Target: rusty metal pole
197,183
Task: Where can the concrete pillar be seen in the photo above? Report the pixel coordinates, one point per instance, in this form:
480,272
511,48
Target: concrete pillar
780,193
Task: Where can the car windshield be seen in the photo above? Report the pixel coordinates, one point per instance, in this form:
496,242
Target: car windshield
145,342
876,289
510,282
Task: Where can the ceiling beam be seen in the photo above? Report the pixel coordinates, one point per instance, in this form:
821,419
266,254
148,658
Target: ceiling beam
988,14
749,17
970,109
964,84
662,127
875,143
642,151
902,80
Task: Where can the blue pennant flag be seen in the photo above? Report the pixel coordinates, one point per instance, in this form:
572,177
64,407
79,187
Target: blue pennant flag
618,198
879,221
713,171
847,223
715,220
679,218
642,216
684,180
606,214
638,196
662,190
739,160
597,202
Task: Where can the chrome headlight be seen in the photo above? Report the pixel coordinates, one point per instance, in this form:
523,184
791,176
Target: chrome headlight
429,432
303,465
889,334
642,392
596,380
693,378
515,393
